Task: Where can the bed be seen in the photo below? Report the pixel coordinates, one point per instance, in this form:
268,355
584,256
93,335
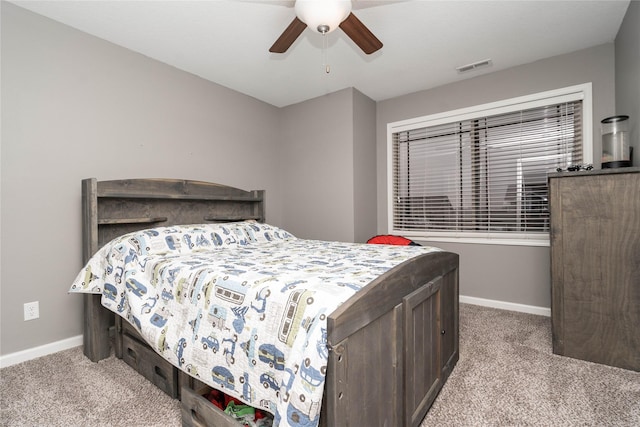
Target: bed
385,347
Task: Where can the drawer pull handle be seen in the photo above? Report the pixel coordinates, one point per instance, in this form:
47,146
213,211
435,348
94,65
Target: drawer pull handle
160,373
442,332
132,353
198,421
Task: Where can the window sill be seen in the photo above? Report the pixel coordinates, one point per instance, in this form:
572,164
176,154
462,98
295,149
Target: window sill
485,240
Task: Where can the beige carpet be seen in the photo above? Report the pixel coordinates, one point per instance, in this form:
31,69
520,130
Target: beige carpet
506,376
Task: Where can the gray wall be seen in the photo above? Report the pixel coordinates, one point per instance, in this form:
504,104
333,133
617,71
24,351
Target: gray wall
515,274
74,106
328,167
317,167
628,74
364,167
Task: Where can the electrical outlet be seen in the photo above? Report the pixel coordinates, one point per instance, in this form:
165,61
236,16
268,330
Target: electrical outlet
31,310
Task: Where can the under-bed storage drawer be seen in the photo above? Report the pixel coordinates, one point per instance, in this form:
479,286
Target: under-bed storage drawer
150,365
128,329
197,411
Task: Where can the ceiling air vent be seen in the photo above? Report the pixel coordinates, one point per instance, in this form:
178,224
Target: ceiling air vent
476,65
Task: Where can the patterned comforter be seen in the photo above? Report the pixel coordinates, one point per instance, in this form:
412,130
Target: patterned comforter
240,306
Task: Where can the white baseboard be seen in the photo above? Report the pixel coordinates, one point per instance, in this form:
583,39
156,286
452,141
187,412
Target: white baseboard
503,305
43,350
54,347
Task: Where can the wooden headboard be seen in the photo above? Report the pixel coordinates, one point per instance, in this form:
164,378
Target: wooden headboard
113,208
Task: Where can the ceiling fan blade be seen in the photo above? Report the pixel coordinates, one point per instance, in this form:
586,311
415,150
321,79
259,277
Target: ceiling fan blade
289,35
360,34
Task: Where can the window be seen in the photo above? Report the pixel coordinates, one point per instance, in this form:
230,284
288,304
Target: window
481,173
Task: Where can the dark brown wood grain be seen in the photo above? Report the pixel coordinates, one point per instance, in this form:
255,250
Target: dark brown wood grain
288,36
360,34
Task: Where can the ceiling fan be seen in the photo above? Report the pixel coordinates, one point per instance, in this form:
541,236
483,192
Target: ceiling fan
326,16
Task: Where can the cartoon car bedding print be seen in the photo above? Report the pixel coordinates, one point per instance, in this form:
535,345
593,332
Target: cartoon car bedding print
242,306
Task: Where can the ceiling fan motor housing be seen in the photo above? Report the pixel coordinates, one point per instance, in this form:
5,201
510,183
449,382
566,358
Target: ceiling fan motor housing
323,15
326,16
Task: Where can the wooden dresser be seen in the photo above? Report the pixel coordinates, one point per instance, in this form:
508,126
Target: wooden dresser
595,265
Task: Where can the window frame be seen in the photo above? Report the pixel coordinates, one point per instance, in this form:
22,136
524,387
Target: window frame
581,92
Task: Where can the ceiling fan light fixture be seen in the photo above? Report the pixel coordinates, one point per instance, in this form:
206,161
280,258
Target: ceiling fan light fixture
320,14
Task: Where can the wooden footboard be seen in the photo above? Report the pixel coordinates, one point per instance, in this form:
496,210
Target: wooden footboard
393,345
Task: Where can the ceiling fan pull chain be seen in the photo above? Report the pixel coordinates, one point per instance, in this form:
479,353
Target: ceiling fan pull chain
325,49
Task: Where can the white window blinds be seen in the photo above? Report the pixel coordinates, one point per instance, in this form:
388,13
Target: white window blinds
482,175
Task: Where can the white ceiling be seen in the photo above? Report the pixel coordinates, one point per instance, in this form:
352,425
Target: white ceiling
227,41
